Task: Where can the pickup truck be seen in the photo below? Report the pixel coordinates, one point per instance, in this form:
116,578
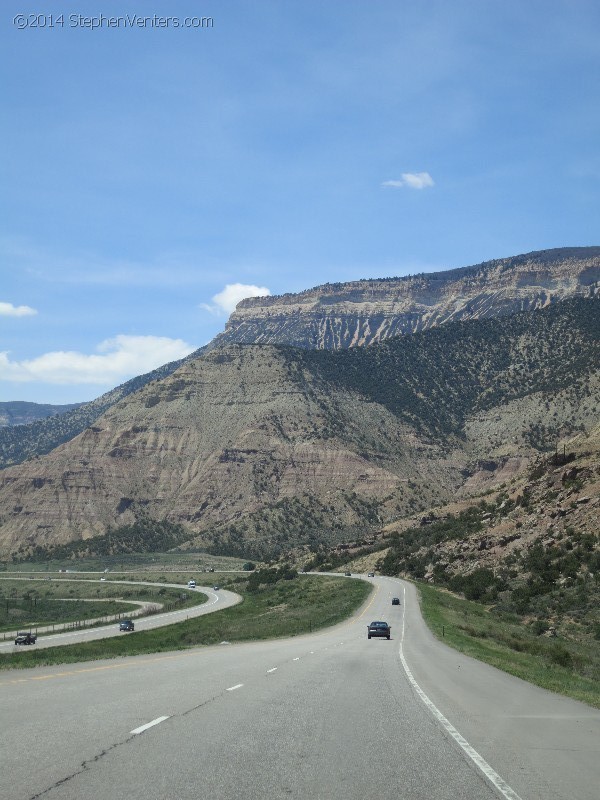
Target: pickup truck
25,637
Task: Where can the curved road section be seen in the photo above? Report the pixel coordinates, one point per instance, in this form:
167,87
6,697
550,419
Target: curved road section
217,600
327,716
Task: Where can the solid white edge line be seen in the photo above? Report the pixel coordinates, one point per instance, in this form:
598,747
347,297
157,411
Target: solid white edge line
145,727
478,760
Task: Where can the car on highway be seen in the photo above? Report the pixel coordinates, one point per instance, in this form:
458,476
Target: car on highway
379,628
192,584
348,574
126,625
25,637
395,601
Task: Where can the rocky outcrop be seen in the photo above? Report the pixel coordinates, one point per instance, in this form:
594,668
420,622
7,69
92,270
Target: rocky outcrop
347,315
263,446
342,315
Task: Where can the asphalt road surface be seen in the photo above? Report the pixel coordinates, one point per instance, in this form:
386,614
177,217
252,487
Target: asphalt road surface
216,602
328,716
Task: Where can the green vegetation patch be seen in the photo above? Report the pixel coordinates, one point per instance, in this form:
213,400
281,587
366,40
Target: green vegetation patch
286,608
435,379
407,553
28,611
561,665
39,602
145,535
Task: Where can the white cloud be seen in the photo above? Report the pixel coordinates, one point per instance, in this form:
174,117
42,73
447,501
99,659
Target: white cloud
8,310
413,180
226,300
116,360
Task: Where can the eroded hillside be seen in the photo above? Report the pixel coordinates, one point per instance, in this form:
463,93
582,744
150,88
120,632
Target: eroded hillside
349,315
259,448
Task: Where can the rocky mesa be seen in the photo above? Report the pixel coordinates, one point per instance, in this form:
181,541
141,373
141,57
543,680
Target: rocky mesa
357,313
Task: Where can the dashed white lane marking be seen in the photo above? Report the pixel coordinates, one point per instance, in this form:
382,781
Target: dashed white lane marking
274,669
312,652
233,688
145,727
296,659
478,760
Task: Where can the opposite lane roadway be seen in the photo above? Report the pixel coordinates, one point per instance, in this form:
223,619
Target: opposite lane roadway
217,600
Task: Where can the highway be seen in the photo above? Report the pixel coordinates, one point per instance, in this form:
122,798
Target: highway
216,602
325,716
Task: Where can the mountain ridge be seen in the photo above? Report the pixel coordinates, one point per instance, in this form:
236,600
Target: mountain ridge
251,448
358,313
337,324
21,412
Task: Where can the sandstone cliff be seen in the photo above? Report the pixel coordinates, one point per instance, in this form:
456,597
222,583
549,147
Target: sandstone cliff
342,315
348,315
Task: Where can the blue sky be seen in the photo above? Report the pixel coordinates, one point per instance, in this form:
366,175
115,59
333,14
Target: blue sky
146,169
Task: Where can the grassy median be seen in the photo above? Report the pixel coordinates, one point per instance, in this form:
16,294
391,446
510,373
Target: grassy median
286,608
566,666
30,603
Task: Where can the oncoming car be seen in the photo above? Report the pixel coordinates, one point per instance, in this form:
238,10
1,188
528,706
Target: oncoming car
395,601
379,629
126,625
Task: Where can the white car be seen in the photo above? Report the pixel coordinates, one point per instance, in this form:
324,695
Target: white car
191,584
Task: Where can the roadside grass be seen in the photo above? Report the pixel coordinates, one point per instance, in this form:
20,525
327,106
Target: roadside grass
22,614
560,665
288,608
40,602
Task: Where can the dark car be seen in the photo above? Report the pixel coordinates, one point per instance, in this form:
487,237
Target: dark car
395,601
216,588
126,625
379,629
348,574
371,575
25,637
